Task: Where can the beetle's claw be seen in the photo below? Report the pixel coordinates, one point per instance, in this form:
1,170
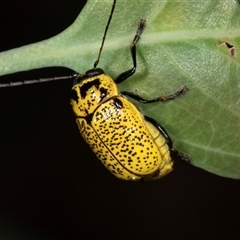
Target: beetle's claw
182,90
186,158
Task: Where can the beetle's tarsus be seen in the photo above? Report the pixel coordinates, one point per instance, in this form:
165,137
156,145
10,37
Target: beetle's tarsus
180,155
182,90
141,26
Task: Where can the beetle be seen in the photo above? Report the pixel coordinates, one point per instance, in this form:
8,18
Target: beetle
130,145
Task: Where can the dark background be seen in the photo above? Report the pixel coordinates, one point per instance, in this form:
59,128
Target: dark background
52,185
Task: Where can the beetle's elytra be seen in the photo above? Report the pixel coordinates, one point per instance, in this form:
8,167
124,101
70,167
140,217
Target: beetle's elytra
130,145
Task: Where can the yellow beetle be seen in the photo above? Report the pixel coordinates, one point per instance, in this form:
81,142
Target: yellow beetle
130,145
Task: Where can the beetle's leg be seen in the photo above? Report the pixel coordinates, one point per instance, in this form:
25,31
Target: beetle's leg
123,76
178,93
163,132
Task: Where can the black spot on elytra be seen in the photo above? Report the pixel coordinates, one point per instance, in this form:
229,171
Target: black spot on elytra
84,88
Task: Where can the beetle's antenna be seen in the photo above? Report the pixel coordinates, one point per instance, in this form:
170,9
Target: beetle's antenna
40,80
105,33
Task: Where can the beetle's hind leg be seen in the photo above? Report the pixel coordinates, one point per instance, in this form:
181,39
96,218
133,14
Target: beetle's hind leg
183,156
123,76
180,91
164,133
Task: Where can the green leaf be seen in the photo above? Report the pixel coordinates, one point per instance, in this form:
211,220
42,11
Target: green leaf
180,46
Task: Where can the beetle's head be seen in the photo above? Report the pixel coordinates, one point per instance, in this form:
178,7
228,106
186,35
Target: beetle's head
88,74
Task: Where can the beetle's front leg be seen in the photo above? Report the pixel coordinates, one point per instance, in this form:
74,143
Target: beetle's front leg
123,76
